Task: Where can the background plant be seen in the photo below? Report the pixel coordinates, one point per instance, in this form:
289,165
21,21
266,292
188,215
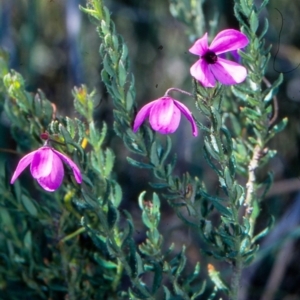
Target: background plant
90,242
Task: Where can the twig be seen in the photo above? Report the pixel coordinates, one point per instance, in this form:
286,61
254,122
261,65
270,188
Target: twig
250,186
251,179
10,151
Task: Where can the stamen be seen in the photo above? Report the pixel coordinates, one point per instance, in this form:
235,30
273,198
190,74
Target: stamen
210,57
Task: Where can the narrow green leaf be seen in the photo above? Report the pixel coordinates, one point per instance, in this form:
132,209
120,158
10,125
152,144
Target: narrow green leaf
182,262
157,279
139,164
167,150
264,30
245,245
201,106
7,225
107,264
112,215
154,159
193,276
106,78
116,197
210,149
227,177
262,6
130,97
245,8
159,185
209,161
167,293
122,73
239,194
124,52
269,93
28,241
70,127
251,113
107,63
267,184
156,203
109,162
217,202
136,294
216,118
239,93
29,205
67,137
17,189
247,57
140,265
148,223
200,291
178,290
265,231
253,21
278,127
228,139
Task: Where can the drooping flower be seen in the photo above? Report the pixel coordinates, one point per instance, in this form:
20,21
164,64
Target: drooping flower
211,67
164,115
47,168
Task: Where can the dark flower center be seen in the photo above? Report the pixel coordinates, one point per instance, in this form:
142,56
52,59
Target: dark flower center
210,57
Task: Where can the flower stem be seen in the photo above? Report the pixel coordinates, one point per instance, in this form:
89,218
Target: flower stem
177,90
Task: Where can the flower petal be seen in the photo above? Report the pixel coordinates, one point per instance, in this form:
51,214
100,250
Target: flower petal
42,162
201,71
142,115
232,55
228,72
228,40
53,181
236,56
73,166
164,116
23,163
186,112
200,47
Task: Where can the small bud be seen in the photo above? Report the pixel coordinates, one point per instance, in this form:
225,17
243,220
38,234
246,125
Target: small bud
44,136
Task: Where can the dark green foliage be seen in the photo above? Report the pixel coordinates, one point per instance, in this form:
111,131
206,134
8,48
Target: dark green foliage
88,243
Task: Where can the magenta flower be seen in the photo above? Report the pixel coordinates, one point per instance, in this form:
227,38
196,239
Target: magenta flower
233,54
210,67
46,167
164,115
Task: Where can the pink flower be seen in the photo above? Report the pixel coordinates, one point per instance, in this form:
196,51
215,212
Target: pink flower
46,167
210,67
164,115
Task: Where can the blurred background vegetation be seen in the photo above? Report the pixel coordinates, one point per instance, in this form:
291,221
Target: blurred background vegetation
55,47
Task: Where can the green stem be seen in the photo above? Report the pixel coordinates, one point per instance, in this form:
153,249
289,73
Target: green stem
72,235
117,276
235,280
251,188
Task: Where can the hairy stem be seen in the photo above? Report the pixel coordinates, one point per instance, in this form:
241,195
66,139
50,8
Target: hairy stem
235,280
250,187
